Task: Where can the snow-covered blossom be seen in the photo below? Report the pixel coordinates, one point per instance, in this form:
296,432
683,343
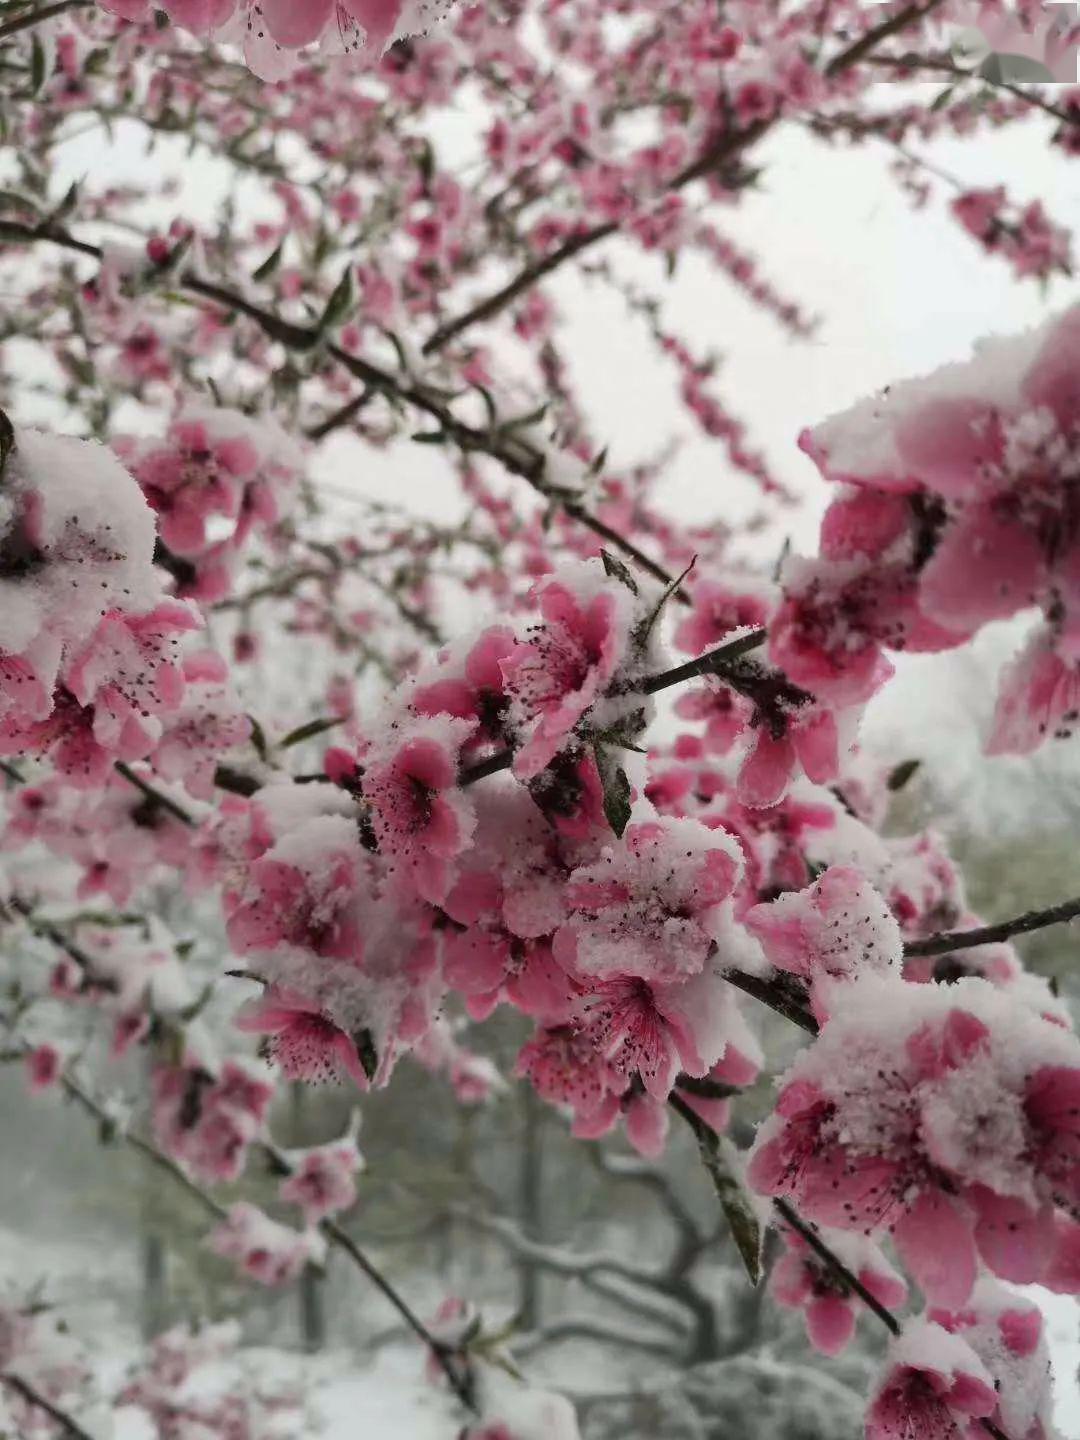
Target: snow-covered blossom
945,1115
267,1252
801,1280
934,1385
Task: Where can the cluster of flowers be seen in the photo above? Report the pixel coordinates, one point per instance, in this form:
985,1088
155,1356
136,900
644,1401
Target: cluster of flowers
189,1382
481,837
1030,241
90,643
958,508
216,477
194,1382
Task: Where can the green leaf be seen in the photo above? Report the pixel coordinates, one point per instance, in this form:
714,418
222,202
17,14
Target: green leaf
270,264
489,406
614,567
258,738
522,422
899,777
645,629
365,1049
37,65
340,302
428,437
722,1161
312,727
67,204
617,792
7,441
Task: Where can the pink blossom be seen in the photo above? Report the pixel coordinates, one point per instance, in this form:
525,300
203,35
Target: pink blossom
267,1252
419,814
934,1386
570,658
650,906
718,610
43,1067
323,1180
306,893
302,1038
566,1069
802,1281
838,927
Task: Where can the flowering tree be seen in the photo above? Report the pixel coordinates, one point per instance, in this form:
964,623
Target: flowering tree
468,799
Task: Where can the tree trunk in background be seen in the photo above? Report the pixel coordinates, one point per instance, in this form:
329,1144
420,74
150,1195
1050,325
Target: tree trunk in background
311,1287
153,1316
531,1206
153,1277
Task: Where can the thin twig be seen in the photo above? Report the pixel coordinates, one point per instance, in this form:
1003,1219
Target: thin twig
948,940
514,453
156,797
711,663
49,12
729,145
33,1397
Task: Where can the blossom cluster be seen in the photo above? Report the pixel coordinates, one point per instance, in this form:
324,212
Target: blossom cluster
495,833
956,509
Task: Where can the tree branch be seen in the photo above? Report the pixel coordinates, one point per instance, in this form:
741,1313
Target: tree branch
726,148
946,941
35,17
34,1398
515,454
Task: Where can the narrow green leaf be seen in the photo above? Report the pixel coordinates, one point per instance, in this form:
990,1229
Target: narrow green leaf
722,1161
615,568
258,738
899,777
270,264
645,629
616,789
7,441
365,1049
312,727
340,302
37,65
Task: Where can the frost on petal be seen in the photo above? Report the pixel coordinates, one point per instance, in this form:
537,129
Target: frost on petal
933,1384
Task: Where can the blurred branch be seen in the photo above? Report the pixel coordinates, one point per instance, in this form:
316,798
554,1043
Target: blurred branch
498,441
730,144
945,941
34,1398
36,17
587,1329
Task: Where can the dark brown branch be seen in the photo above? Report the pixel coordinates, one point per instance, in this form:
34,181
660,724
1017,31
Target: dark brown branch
946,941
711,663
56,936
34,1398
458,1377
342,416
515,454
452,1364
35,17
155,797
778,994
